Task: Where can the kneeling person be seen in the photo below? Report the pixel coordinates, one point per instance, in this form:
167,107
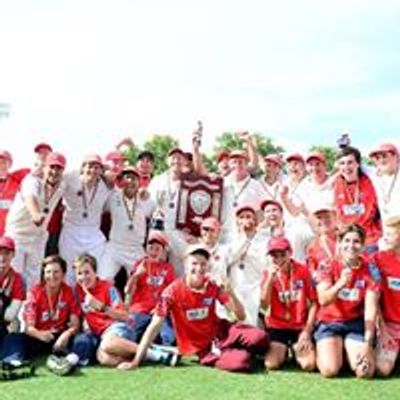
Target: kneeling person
290,299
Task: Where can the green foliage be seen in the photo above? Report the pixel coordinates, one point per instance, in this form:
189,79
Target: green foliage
160,145
131,154
265,145
330,155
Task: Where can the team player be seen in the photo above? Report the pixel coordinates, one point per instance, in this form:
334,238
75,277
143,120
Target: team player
30,214
149,277
348,297
355,198
271,181
12,292
128,225
84,198
51,316
190,300
386,180
388,262
289,298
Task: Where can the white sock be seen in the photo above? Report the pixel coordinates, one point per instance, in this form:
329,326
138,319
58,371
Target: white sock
72,358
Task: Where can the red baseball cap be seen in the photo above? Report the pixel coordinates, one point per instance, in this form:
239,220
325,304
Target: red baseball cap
92,158
7,243
6,155
295,157
115,156
267,202
384,148
56,159
245,207
275,158
278,243
223,154
159,237
176,150
316,155
238,154
42,146
212,223
129,169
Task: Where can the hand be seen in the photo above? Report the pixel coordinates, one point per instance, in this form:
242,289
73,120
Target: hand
364,359
91,302
226,284
244,135
142,267
61,342
272,269
127,141
304,344
345,276
38,219
284,191
46,336
128,365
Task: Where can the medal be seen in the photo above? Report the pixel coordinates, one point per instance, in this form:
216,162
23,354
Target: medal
85,214
235,204
287,315
130,207
171,205
86,203
46,210
241,266
130,227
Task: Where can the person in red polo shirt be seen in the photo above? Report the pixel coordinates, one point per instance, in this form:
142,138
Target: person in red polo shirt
348,297
290,300
190,301
150,276
388,262
51,317
12,292
355,198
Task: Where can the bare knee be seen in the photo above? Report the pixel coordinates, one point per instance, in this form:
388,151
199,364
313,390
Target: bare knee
329,371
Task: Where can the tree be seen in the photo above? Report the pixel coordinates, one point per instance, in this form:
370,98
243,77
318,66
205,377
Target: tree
160,145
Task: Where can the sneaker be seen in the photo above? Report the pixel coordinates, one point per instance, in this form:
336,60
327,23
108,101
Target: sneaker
172,359
59,365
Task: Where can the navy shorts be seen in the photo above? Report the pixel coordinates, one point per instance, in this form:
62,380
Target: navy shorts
287,337
353,330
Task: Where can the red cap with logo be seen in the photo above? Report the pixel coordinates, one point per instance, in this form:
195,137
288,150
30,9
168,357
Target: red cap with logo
42,146
223,154
275,158
316,155
279,243
115,156
159,237
7,243
245,207
92,158
295,157
56,159
129,169
384,148
238,154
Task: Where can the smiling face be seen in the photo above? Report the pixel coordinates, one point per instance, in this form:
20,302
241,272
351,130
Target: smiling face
296,169
325,222
273,215
91,171
6,255
239,167
53,174
209,235
53,275
348,167
175,163
246,221
316,169
155,250
197,268
145,166
351,246
271,170
392,237
281,258
130,181
386,162
85,275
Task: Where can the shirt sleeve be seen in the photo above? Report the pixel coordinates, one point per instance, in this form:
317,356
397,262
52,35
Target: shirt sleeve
30,187
165,303
18,289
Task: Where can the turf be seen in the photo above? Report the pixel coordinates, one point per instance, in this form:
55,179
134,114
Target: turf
193,382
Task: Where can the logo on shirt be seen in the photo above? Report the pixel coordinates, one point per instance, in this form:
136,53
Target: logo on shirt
155,280
347,294
207,301
289,296
299,284
393,283
197,314
359,284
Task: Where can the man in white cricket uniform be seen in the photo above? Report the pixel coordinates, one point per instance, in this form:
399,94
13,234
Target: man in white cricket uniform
84,197
128,225
30,214
271,181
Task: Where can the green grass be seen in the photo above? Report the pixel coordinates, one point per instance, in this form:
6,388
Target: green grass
193,382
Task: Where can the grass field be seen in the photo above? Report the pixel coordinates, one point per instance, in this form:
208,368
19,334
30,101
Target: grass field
190,381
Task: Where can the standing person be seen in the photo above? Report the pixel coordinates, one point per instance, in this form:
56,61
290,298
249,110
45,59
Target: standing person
190,300
30,214
273,225
271,181
355,197
289,297
85,196
9,186
386,180
323,246
128,225
150,276
113,165
223,166
51,316
348,298
246,262
145,167
12,292
388,262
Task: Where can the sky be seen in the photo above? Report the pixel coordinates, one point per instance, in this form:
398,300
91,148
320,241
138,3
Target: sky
83,74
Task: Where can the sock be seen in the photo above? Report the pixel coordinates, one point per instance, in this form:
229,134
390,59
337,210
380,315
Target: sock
72,358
